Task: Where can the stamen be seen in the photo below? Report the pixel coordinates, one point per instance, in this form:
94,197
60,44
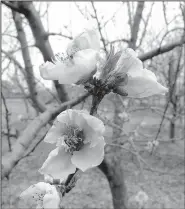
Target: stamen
61,57
74,139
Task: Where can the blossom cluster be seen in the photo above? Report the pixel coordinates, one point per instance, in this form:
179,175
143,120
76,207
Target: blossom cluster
78,136
84,59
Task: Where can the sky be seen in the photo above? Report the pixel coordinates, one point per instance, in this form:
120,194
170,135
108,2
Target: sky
66,13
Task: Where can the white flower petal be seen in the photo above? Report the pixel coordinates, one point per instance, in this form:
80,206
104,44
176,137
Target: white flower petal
95,123
72,70
89,157
43,186
54,132
83,64
89,39
44,194
143,84
32,190
77,119
51,199
93,129
45,70
48,179
35,193
58,164
65,116
39,206
128,62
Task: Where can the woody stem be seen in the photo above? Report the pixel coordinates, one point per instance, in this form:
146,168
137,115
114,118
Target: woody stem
95,103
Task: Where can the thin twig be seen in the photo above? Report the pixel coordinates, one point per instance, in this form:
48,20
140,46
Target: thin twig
59,34
99,26
7,121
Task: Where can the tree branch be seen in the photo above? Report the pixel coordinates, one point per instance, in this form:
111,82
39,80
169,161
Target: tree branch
118,40
161,50
145,27
7,114
42,43
11,57
99,26
12,6
29,75
59,34
129,15
136,23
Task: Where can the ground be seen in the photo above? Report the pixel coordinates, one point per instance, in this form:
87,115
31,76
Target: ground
165,190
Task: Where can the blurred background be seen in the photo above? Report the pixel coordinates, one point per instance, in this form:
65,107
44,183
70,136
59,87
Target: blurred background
32,32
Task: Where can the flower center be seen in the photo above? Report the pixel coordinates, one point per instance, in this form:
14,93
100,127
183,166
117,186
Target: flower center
74,139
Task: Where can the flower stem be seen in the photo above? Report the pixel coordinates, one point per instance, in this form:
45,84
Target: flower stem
95,103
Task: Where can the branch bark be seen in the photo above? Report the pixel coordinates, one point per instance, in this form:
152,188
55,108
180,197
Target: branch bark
112,166
115,175
12,58
7,122
29,75
135,25
11,6
23,142
145,27
161,50
59,34
42,43
99,26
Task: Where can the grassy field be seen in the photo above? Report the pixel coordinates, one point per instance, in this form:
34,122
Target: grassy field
165,190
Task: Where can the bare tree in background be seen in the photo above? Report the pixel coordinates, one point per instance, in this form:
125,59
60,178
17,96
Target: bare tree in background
174,94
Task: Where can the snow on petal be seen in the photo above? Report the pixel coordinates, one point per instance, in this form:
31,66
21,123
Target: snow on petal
143,84
89,157
58,164
82,64
51,199
89,39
